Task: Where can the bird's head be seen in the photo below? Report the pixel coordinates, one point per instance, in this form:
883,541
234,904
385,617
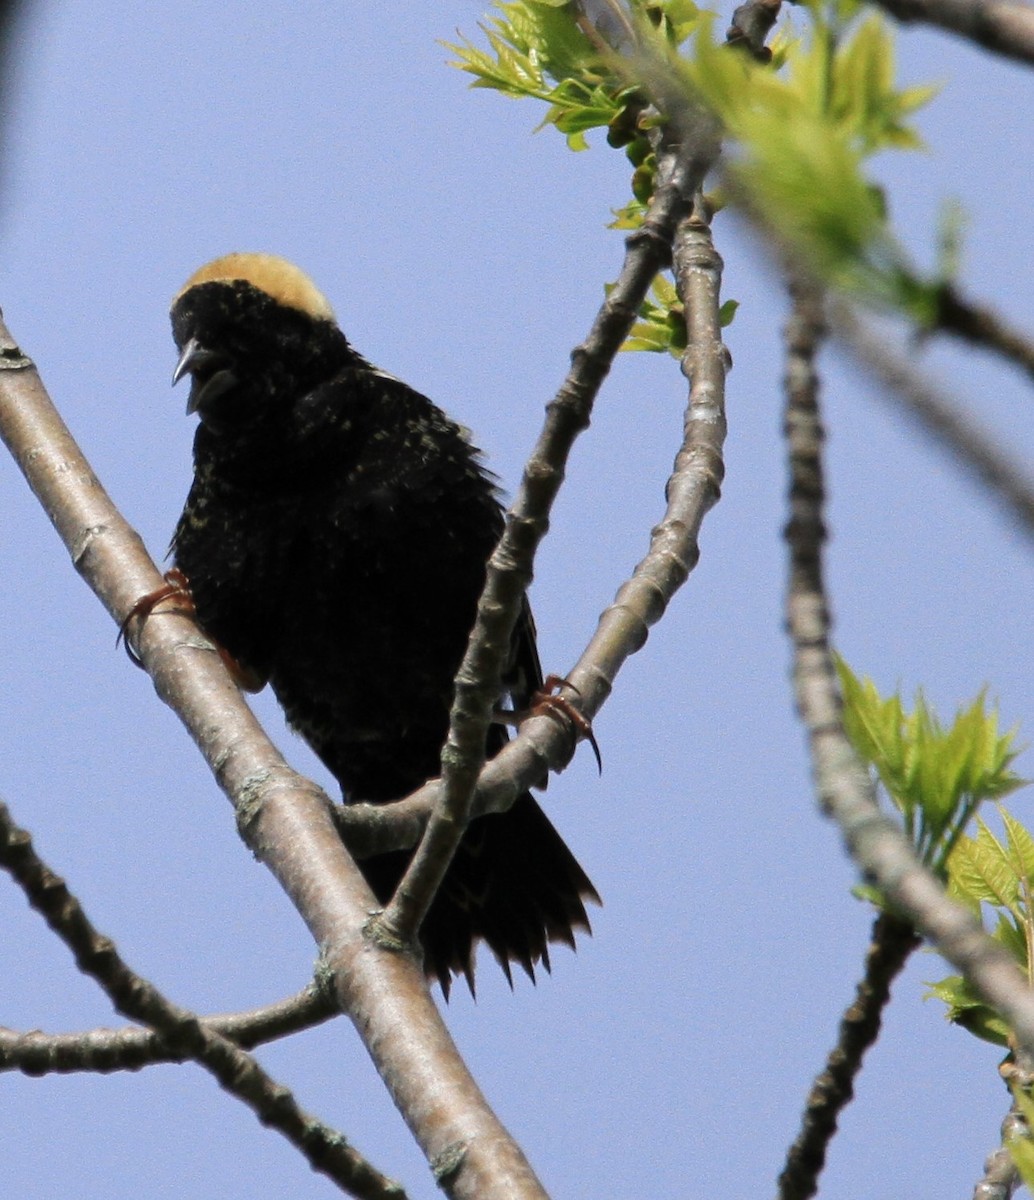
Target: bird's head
254,333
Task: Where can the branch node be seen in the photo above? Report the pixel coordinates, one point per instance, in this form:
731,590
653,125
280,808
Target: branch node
382,933
12,359
448,1162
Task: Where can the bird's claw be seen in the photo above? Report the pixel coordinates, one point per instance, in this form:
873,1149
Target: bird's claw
175,588
547,702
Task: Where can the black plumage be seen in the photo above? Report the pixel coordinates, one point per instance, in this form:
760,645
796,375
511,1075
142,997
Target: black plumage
335,540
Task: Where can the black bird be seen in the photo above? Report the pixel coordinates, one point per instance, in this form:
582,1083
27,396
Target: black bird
334,542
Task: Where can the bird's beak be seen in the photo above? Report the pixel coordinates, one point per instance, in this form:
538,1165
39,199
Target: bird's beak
211,376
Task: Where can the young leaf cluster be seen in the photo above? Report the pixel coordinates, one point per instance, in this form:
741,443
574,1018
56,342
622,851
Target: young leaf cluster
799,129
982,870
803,129
936,777
662,320
547,50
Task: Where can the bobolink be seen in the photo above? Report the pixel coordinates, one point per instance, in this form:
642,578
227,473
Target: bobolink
335,541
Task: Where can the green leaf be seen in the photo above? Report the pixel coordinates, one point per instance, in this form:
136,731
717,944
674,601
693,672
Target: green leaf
630,216
937,777
871,894
876,728
1012,937
965,1008
644,336
980,868
662,324
1021,847
800,129
727,312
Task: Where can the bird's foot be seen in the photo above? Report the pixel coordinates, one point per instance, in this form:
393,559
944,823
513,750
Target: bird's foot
177,589
547,702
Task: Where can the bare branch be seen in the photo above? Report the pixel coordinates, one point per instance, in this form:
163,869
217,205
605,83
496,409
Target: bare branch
1001,1178
1003,26
892,943
983,327
130,1048
971,448
238,1073
510,567
695,483
284,818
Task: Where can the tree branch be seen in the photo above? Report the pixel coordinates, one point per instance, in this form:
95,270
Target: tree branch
695,483
238,1073
1003,26
691,492
751,24
130,1048
971,447
981,326
892,943
1001,1177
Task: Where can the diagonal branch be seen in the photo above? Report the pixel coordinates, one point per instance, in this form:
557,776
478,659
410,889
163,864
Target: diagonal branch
510,567
130,1048
695,482
1003,26
1001,1177
982,326
939,416
751,24
238,1072
893,941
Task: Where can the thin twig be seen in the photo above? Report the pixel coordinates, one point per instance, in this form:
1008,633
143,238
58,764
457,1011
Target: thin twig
971,447
130,1048
510,567
1001,1178
542,746
1003,26
892,943
326,1150
983,327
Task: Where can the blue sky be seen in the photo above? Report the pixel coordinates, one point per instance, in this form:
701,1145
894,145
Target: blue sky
670,1057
